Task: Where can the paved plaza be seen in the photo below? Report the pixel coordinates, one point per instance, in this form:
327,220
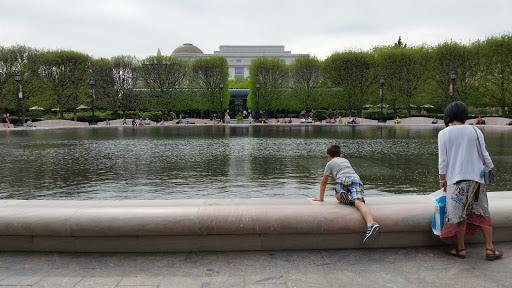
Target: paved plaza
398,267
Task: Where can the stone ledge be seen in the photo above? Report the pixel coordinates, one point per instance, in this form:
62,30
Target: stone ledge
223,224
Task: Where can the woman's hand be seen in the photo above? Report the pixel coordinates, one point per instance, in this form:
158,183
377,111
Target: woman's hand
442,185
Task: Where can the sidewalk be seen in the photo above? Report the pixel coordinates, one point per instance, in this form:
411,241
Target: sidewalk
398,267
413,121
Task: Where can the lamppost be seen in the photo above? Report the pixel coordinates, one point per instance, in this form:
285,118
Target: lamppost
381,120
17,77
452,86
257,102
221,115
92,82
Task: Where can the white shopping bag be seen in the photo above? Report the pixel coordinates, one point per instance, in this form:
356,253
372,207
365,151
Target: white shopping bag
439,197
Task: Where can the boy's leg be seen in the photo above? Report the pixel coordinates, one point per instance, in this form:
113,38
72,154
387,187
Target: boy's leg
365,211
372,229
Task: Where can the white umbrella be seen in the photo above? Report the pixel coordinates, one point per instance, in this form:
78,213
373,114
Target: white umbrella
55,109
82,107
427,106
36,108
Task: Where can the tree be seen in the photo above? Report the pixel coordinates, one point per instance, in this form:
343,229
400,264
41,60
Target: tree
125,80
464,60
399,43
207,74
497,72
272,75
305,74
407,72
63,75
240,82
355,74
104,89
14,60
164,76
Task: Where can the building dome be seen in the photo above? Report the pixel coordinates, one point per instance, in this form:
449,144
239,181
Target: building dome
187,48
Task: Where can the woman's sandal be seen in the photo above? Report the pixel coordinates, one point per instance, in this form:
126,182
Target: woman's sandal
496,254
457,252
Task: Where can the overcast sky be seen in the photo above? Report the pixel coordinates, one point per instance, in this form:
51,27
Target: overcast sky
109,28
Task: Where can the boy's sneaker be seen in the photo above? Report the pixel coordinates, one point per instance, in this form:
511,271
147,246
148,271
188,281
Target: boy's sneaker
371,233
344,198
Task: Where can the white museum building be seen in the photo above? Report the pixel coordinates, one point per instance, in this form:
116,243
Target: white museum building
239,57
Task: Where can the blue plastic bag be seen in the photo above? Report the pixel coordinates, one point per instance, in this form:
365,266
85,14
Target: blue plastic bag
439,197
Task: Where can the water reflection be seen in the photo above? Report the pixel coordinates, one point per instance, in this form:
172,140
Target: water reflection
219,161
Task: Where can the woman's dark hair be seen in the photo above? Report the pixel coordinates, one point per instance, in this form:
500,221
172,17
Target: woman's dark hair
334,150
455,111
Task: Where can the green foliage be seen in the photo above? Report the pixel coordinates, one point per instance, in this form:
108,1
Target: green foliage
345,82
319,114
104,92
400,43
406,72
497,73
239,116
387,114
123,71
464,61
207,75
87,116
353,72
61,78
272,76
163,76
305,74
153,116
239,82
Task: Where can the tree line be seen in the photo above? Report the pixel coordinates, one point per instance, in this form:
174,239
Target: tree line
349,80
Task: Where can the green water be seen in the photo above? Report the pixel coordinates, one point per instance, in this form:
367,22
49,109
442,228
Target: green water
205,161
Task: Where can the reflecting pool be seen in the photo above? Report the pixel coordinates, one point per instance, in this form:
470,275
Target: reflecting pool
221,161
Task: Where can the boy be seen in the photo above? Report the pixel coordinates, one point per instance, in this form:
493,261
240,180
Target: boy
349,189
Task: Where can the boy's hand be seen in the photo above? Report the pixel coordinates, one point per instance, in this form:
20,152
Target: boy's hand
318,199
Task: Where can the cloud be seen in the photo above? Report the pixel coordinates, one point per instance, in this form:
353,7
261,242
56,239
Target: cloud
110,27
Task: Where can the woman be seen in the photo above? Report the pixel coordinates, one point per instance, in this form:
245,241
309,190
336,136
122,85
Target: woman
459,175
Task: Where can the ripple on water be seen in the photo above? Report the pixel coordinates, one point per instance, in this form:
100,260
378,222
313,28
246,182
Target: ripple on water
221,161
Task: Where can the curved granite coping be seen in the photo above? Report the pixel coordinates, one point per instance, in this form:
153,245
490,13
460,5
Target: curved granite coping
223,216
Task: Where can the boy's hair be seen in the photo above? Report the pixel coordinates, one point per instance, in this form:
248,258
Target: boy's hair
334,150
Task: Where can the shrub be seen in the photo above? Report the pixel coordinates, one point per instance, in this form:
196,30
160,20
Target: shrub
319,114
375,114
153,116
87,116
